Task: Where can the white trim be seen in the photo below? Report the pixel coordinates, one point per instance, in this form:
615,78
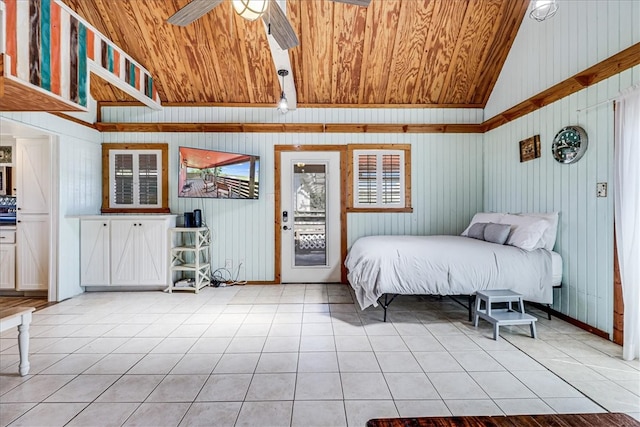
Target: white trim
95,68
3,28
54,224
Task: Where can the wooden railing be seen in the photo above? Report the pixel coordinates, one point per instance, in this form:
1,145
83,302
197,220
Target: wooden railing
238,188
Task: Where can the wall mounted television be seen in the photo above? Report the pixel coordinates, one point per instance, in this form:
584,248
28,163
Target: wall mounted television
216,174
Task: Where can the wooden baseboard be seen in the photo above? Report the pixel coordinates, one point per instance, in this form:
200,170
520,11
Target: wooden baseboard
571,320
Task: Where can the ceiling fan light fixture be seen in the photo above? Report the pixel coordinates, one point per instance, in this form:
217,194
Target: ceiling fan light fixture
250,9
283,104
543,9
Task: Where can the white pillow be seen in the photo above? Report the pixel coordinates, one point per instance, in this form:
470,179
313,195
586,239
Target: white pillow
526,231
494,217
548,240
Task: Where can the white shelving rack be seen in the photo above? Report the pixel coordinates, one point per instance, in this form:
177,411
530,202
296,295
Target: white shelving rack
189,259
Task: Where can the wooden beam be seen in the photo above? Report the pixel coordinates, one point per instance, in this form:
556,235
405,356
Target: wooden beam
300,105
289,128
617,63
611,66
74,120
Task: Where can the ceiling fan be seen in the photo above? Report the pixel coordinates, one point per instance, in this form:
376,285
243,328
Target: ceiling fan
273,16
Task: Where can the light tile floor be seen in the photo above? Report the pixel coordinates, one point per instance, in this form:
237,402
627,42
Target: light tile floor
300,355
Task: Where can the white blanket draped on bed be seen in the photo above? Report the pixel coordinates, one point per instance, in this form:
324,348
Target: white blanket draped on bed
445,265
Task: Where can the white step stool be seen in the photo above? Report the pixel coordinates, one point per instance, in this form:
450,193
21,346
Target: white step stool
502,317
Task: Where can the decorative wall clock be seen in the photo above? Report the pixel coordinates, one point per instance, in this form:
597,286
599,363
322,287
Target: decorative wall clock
570,144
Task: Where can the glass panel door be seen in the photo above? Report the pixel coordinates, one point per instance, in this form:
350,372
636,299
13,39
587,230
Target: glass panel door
310,214
310,222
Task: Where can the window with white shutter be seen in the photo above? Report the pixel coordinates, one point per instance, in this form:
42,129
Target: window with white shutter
380,178
135,181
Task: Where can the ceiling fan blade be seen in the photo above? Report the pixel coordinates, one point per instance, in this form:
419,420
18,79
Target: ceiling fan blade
280,27
192,11
364,3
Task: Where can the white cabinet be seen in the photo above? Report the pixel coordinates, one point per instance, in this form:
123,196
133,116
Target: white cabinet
32,252
138,252
33,173
7,259
124,250
94,258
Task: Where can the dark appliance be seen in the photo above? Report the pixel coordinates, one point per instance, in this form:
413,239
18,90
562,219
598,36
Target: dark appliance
7,210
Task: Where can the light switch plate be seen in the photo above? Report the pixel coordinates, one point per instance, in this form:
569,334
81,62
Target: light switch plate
601,189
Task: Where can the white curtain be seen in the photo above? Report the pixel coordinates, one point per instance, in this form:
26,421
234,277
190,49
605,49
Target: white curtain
627,214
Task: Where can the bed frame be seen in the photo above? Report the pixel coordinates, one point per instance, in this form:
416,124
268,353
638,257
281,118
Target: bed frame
469,305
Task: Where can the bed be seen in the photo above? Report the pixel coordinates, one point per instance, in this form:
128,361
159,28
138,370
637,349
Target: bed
459,265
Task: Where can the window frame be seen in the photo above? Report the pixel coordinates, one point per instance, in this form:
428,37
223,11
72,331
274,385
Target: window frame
380,149
107,178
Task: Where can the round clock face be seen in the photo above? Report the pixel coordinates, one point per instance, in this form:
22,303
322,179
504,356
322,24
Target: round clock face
570,144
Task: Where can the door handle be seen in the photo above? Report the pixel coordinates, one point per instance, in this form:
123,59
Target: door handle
286,227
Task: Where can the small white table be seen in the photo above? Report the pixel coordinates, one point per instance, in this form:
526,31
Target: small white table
20,317
502,317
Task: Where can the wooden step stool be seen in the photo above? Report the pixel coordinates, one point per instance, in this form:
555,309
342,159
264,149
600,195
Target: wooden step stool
502,317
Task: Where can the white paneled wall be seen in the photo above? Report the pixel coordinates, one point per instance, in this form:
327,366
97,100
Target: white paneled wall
446,187
79,184
301,115
581,34
585,233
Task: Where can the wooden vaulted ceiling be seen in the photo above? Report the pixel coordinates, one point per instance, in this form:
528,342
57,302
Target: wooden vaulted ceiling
395,52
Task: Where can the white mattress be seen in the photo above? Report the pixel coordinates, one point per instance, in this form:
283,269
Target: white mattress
556,268
447,265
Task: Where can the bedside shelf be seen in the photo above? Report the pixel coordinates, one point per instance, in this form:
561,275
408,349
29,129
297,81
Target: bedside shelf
189,259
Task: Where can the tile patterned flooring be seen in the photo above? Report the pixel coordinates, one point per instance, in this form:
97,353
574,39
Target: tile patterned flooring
301,355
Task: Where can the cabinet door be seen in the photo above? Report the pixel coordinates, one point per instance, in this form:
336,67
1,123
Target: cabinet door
94,252
33,252
7,266
33,175
152,252
124,252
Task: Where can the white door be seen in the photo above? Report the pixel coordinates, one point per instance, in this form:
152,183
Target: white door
7,261
33,175
152,252
310,217
33,252
123,252
94,252
138,252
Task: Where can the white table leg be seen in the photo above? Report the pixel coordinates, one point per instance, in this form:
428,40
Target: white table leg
23,344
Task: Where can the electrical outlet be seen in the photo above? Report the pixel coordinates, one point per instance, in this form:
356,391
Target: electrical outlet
601,189
228,264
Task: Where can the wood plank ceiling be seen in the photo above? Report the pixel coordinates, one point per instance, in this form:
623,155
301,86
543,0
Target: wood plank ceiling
421,53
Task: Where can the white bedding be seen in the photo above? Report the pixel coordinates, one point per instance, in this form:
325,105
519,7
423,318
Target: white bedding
445,265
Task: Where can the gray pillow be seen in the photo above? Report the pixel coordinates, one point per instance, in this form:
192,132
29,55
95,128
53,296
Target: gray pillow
496,233
477,230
